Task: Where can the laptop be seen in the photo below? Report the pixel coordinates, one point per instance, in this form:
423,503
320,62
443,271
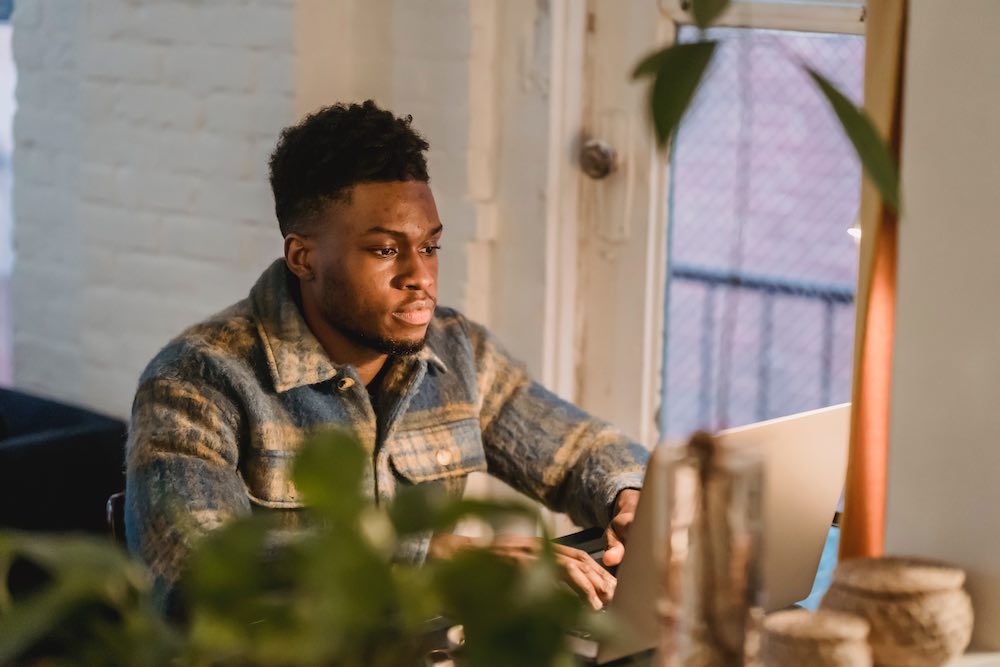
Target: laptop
805,464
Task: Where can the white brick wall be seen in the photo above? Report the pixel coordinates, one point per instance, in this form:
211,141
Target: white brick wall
142,136
141,195
46,307
430,48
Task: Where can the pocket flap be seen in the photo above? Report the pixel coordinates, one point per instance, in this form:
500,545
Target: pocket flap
443,451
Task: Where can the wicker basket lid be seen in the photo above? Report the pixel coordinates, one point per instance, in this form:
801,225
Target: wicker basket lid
897,574
821,625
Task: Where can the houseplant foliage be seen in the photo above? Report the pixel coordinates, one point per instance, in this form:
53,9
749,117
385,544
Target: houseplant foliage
329,595
676,70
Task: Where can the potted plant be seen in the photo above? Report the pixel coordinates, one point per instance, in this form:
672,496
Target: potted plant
331,595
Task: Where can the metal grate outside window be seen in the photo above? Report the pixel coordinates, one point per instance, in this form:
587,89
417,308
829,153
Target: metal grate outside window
761,272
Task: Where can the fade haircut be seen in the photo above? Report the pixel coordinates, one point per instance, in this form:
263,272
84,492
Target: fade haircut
318,160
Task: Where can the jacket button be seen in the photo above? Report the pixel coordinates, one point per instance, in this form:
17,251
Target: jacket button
443,457
344,384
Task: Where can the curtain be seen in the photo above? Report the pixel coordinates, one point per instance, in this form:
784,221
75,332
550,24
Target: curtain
863,522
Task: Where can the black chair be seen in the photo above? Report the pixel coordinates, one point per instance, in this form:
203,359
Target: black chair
58,464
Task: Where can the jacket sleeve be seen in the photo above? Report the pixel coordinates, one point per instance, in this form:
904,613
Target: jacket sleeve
182,476
546,447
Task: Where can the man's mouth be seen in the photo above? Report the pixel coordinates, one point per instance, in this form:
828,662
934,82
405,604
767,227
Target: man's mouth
417,313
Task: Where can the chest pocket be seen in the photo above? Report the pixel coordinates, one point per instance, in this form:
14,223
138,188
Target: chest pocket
266,466
439,452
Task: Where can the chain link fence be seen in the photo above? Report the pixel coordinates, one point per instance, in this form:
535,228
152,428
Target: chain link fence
761,273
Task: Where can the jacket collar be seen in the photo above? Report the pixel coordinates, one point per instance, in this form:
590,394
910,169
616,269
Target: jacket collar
295,357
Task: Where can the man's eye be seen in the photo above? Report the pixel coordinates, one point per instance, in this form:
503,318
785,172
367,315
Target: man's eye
384,253
430,250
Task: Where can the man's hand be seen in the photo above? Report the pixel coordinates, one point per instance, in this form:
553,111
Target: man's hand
617,530
578,569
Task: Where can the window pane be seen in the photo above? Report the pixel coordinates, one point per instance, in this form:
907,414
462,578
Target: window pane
764,186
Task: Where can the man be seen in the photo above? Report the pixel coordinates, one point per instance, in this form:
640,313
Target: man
345,330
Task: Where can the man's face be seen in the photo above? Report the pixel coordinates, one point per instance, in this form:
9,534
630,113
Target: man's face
376,265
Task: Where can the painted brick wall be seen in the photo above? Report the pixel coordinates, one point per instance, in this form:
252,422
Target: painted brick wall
431,45
141,140
46,306
141,197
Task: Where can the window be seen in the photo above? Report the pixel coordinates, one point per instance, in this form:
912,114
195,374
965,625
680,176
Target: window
617,267
759,316
761,269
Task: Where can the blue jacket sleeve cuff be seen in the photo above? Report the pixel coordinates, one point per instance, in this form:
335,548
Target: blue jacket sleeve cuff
629,480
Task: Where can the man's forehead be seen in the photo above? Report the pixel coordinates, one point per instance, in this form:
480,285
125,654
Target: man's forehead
394,207
383,191
401,230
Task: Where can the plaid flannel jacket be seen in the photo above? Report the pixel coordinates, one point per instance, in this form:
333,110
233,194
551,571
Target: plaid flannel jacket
220,411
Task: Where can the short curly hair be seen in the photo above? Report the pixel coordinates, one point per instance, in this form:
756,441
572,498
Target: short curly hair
318,160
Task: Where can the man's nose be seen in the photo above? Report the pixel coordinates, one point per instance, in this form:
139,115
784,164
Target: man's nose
420,272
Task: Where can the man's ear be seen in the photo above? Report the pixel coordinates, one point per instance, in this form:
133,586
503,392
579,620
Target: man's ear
298,256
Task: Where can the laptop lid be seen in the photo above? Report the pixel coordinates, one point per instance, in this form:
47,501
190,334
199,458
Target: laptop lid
806,461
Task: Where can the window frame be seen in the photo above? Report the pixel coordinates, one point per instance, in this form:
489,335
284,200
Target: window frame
845,17
629,394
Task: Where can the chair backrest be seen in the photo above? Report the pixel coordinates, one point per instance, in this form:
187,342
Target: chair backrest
58,464
116,516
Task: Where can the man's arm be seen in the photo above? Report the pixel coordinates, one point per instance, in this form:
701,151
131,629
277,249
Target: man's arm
549,448
182,477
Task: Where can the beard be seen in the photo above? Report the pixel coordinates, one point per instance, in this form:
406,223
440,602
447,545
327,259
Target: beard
352,319
374,341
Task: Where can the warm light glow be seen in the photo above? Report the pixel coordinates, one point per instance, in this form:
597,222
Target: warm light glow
855,231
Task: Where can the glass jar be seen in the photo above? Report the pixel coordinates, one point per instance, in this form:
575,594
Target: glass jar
709,548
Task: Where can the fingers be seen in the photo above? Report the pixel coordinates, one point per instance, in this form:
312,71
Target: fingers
617,531
445,545
585,585
621,523
519,543
615,550
577,568
581,571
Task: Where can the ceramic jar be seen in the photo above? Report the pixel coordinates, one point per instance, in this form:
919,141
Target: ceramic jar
919,613
823,639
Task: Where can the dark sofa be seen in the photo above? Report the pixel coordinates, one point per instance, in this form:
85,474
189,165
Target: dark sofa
58,464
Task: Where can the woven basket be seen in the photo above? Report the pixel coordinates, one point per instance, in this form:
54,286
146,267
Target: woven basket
823,639
919,614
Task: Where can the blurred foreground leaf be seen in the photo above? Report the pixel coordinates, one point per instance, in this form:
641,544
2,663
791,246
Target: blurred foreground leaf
678,70
318,586
706,11
87,603
875,157
514,616
329,471
428,507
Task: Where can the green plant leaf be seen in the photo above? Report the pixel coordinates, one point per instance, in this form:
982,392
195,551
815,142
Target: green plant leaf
329,471
875,157
649,65
31,620
427,507
679,70
515,615
706,11
228,565
91,601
